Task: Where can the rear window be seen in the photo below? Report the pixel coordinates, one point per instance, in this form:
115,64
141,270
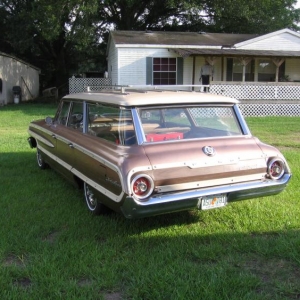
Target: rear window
175,123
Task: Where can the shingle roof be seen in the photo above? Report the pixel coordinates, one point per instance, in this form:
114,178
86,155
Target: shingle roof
178,38
235,52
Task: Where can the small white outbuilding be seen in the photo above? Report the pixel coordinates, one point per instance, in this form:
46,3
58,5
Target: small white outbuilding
17,77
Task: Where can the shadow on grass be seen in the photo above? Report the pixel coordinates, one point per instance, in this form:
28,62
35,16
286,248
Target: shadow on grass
50,243
20,168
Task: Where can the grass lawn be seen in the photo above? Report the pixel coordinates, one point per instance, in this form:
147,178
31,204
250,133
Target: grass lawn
51,247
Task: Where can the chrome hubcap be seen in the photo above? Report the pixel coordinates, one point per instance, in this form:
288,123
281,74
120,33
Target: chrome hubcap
39,158
90,196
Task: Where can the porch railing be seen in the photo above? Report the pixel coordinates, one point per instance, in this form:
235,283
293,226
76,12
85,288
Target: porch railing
79,85
257,90
258,99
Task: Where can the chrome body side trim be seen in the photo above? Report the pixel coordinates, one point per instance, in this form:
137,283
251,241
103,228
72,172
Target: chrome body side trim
125,184
211,182
54,157
40,129
165,203
40,138
213,162
109,194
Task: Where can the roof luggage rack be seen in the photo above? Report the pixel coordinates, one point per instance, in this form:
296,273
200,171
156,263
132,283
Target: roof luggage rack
123,89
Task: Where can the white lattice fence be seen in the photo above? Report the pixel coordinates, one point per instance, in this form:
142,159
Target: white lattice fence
270,109
79,85
289,92
238,91
264,91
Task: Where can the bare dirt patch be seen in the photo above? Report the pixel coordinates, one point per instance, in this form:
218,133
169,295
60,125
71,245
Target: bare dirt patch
14,260
51,237
82,282
23,282
113,296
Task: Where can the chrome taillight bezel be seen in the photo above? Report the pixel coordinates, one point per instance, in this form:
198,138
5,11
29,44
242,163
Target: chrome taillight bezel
278,163
150,184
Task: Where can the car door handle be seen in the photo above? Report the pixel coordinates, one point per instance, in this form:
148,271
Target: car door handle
71,146
53,136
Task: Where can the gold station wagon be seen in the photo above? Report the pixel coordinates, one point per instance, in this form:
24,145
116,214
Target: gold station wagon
148,152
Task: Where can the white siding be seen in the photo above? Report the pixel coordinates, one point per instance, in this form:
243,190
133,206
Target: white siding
132,63
112,67
17,73
200,61
283,41
188,71
218,69
3,94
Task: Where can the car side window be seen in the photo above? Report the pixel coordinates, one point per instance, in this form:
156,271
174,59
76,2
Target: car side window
76,116
112,124
64,112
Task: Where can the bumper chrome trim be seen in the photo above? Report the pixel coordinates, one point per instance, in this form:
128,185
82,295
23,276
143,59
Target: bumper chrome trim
171,202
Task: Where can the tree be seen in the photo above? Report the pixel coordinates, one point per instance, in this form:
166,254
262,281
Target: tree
53,35
251,16
238,16
141,15
65,37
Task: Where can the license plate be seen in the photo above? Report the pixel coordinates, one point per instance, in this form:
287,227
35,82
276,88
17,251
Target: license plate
213,201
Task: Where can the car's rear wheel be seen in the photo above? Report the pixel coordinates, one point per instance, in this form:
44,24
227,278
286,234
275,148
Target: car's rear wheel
40,161
92,202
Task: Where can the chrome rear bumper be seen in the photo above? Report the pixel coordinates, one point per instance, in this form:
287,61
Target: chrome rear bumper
165,203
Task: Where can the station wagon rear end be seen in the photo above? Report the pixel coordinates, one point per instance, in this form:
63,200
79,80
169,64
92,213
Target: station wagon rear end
149,152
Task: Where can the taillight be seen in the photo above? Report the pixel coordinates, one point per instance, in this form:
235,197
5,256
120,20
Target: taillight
276,168
142,186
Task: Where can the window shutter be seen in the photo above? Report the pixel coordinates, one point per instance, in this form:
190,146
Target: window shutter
179,70
149,70
229,70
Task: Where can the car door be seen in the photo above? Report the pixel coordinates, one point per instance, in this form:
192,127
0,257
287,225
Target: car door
98,152
70,129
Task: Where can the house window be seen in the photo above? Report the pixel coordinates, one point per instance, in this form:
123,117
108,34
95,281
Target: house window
267,70
164,71
235,70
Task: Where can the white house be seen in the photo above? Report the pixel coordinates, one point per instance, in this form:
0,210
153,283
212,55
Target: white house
146,57
17,73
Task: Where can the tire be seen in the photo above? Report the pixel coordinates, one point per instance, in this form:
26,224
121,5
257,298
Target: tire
40,161
92,202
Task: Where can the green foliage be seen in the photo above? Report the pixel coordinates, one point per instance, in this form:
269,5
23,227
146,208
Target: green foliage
66,37
252,16
56,36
